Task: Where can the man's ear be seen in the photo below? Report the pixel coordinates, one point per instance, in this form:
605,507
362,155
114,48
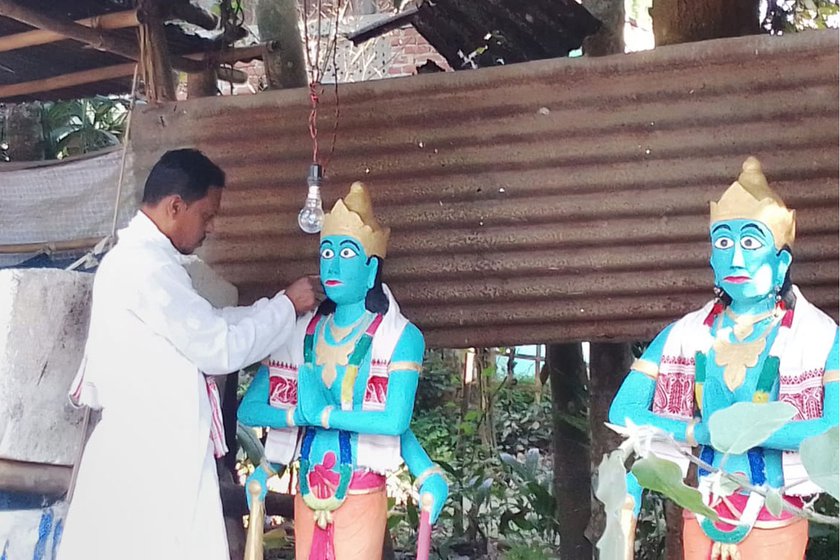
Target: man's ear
175,205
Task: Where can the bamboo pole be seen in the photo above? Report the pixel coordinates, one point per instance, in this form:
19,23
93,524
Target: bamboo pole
67,80
96,38
49,246
117,71
117,20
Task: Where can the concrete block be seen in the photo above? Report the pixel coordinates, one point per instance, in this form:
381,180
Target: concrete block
31,533
44,317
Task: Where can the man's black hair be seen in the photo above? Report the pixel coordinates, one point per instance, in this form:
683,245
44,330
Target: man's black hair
187,173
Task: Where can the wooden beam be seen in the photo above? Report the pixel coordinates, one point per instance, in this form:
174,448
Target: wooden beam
98,39
34,478
117,20
68,80
117,71
50,246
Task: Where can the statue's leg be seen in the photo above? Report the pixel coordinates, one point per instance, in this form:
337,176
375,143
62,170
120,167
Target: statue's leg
360,526
696,545
304,529
783,543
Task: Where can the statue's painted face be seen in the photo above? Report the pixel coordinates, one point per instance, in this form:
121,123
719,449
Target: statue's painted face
745,260
346,272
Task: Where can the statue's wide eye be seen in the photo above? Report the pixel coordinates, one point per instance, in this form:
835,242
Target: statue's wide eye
751,243
347,253
723,243
327,253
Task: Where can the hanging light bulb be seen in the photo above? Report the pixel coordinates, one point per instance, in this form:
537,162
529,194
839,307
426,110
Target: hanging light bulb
311,216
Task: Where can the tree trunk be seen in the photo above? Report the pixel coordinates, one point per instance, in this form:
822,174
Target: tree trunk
567,374
673,531
687,21
608,365
485,359
277,21
610,38
24,132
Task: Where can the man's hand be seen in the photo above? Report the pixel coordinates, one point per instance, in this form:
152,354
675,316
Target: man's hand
305,294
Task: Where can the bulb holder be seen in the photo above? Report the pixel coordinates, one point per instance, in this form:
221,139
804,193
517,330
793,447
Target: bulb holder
316,175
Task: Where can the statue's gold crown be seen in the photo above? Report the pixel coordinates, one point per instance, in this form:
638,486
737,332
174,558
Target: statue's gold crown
353,216
751,198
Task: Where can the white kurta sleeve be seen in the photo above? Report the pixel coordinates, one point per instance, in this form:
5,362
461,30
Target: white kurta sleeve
165,300
234,314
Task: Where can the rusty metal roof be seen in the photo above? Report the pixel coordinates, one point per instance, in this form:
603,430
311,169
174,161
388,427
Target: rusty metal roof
549,201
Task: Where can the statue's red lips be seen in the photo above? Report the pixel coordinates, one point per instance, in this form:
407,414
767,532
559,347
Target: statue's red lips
332,283
737,279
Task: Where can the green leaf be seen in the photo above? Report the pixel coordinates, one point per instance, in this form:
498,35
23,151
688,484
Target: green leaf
523,523
394,521
275,538
249,443
543,500
411,513
773,502
665,477
744,425
821,458
612,481
532,460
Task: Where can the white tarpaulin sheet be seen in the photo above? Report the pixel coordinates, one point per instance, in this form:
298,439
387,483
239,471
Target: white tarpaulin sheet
64,201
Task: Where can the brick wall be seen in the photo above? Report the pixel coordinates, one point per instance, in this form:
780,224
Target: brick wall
410,50
395,54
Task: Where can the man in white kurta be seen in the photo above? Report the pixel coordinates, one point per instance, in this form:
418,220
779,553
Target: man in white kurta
147,485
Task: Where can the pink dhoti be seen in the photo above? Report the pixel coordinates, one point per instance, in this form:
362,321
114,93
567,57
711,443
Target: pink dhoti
357,530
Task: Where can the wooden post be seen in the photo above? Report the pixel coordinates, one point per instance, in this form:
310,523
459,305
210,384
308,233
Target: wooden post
610,37
687,21
567,373
202,84
609,364
278,25
24,133
157,68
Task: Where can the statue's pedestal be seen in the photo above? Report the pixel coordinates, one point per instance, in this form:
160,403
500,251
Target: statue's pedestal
44,318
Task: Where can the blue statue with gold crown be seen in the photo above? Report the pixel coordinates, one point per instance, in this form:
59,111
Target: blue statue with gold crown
758,341
339,396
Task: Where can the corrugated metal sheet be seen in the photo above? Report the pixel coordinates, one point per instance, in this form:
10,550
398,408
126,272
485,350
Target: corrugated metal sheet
549,201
